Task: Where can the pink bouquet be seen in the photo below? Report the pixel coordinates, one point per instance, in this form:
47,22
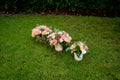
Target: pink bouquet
59,39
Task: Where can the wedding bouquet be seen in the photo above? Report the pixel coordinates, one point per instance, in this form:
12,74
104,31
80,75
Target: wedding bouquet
41,32
59,40
78,49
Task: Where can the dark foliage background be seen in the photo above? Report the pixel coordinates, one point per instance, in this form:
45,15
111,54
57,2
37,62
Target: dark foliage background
77,7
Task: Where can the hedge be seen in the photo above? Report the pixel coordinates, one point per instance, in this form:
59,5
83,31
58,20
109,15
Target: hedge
80,7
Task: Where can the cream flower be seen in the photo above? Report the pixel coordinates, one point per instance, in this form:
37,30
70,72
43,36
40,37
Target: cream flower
67,40
86,47
35,32
84,51
73,47
44,33
81,45
43,27
51,42
60,33
61,40
38,27
52,35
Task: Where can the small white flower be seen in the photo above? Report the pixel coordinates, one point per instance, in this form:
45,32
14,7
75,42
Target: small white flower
73,47
70,38
53,36
84,51
67,35
51,42
60,33
42,26
47,33
61,40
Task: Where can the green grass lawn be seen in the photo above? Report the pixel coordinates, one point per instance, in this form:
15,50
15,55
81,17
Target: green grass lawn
21,58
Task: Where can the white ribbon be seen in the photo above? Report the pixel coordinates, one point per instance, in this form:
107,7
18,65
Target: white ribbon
79,58
58,47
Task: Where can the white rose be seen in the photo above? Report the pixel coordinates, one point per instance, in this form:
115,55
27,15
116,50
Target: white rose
84,51
61,40
53,36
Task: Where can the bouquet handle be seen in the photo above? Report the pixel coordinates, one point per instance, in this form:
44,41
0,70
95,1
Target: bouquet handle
78,58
